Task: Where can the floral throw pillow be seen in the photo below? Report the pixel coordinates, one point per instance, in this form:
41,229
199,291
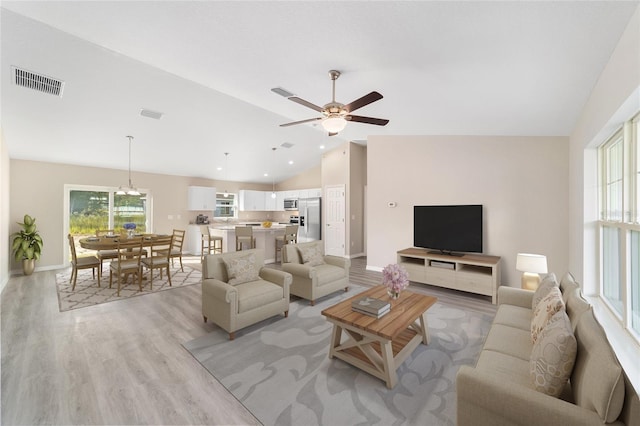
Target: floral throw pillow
241,269
311,255
544,311
553,356
548,282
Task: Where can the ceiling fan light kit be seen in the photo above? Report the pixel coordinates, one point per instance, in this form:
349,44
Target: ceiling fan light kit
334,114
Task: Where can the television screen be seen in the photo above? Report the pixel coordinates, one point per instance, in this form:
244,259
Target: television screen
448,228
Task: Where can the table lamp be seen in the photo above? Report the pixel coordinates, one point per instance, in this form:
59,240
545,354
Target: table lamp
531,265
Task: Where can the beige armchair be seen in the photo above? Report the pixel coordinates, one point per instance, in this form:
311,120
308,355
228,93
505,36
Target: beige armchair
237,290
314,274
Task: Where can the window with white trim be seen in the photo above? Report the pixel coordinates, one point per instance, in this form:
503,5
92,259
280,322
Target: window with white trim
226,205
619,183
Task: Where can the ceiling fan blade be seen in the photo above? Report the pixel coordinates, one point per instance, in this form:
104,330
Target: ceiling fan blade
333,134
368,120
365,100
305,103
308,120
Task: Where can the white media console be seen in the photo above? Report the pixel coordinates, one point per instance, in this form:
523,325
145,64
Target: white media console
474,273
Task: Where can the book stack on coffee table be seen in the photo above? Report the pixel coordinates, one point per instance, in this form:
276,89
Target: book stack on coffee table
371,306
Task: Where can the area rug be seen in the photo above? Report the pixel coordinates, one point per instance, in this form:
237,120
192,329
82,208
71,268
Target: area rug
87,292
280,371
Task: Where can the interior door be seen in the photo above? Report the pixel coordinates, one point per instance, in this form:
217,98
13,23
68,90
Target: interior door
334,236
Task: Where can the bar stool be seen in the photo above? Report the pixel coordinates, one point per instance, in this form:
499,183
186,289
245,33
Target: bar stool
244,235
210,243
290,236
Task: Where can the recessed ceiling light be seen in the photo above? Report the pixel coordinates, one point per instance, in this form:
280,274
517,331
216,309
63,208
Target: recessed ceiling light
290,161
219,168
266,174
321,146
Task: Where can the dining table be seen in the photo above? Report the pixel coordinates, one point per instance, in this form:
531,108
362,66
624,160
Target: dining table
110,242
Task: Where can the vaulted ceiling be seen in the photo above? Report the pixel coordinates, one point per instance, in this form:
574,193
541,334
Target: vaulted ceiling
477,68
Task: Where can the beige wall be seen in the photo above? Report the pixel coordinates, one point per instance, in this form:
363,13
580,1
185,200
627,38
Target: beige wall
522,182
4,213
306,180
614,99
37,188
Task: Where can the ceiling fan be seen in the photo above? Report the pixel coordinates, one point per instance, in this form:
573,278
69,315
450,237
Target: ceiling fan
334,114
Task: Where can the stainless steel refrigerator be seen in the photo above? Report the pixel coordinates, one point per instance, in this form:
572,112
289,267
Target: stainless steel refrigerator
310,219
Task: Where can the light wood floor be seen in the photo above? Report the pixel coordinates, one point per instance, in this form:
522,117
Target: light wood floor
122,362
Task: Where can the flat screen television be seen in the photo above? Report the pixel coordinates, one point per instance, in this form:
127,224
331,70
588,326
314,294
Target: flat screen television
448,229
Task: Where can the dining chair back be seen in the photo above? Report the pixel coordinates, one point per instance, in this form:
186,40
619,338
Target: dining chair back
176,247
103,232
244,235
210,244
290,236
128,262
159,259
84,262
105,254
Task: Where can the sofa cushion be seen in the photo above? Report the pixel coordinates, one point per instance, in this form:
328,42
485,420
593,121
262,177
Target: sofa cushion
509,341
255,294
506,368
548,282
575,305
311,255
597,379
241,269
327,274
553,356
544,311
514,316
567,285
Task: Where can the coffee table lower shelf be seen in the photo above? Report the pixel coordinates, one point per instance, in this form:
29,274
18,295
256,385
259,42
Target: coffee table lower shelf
377,356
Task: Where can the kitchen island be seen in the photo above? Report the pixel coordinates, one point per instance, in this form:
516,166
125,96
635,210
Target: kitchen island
265,238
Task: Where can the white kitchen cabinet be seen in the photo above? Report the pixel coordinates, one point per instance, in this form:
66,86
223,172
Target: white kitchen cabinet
280,196
269,201
201,198
193,239
314,193
250,200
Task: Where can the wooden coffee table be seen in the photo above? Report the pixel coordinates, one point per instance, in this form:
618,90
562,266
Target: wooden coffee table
379,346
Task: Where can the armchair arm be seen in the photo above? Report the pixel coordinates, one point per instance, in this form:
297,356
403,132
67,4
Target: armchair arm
283,279
298,269
219,289
515,296
484,399
341,262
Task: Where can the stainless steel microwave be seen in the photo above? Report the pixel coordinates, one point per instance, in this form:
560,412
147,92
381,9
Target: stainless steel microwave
291,204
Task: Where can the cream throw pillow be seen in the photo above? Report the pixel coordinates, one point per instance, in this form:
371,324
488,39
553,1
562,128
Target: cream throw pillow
553,356
311,255
548,282
544,311
241,269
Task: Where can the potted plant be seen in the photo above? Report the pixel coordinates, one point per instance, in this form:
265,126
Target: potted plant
27,245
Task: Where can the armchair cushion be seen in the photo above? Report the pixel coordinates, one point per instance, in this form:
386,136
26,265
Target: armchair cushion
254,294
241,269
327,274
311,255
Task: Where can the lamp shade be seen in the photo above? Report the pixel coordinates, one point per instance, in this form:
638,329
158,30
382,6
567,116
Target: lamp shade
334,123
526,262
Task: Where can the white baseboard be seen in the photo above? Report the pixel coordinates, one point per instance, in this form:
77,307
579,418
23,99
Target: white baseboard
353,256
39,269
374,268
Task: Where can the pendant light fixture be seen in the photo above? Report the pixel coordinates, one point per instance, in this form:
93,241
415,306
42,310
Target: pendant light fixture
226,167
273,183
130,189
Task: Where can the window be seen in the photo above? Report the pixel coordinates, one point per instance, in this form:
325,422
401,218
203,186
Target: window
619,183
92,208
226,205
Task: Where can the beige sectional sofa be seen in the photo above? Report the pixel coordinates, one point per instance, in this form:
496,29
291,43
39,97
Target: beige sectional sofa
499,390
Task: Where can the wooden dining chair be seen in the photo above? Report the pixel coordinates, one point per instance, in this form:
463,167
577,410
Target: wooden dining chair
176,247
244,235
128,263
105,254
290,236
161,246
83,262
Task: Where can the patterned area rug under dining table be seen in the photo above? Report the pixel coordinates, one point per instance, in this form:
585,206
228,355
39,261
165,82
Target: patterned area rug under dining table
87,292
279,369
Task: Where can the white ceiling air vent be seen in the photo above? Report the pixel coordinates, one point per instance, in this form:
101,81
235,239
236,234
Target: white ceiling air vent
286,145
151,114
39,82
